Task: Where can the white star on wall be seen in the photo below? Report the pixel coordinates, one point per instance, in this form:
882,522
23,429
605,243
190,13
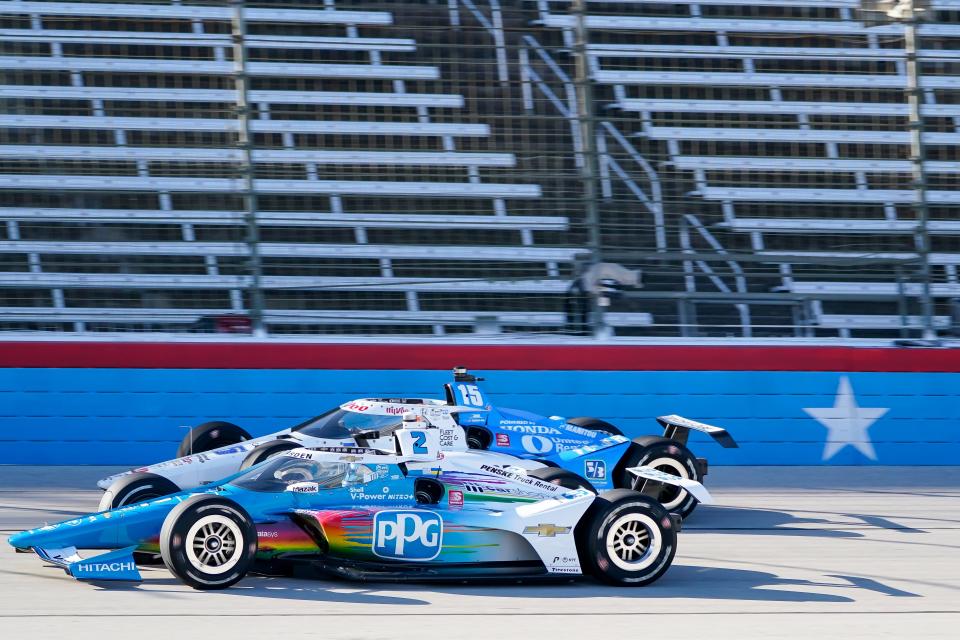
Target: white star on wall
847,423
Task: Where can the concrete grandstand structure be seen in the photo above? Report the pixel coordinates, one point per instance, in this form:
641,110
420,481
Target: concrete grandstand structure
753,163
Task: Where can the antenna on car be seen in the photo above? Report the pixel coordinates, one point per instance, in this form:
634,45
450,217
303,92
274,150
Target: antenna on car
462,374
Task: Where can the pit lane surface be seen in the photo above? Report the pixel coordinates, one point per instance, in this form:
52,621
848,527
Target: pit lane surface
793,552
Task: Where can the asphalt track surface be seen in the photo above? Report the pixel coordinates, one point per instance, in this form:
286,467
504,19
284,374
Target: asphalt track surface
790,552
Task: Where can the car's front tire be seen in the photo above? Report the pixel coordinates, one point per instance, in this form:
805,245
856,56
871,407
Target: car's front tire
208,542
209,436
267,450
562,477
626,539
131,489
136,487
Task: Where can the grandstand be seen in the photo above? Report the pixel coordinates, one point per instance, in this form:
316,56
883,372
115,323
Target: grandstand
416,166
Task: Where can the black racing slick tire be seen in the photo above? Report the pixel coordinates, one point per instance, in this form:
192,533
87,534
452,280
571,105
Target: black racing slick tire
562,477
208,542
131,489
209,436
266,451
478,438
135,487
626,539
595,424
664,455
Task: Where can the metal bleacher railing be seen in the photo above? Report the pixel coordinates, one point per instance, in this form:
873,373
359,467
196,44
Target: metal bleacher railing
416,167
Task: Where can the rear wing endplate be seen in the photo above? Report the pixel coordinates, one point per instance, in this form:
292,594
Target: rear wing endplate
678,428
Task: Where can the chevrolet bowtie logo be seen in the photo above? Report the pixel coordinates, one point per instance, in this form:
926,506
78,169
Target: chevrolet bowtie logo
546,530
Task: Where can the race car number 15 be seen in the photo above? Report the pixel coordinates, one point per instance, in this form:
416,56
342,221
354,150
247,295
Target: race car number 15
470,394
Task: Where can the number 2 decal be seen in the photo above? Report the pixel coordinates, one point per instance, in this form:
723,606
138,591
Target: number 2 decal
470,394
419,439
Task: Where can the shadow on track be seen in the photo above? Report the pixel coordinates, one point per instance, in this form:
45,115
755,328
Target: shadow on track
765,522
682,581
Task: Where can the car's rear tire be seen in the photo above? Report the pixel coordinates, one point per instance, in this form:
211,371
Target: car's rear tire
562,477
665,455
209,436
135,487
266,451
626,539
595,424
208,542
478,438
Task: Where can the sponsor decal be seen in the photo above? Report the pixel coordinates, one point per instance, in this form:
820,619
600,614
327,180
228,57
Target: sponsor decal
356,406
580,431
528,427
595,469
398,411
305,487
522,479
106,567
448,437
455,498
359,494
407,535
536,444
543,530
225,451
503,440
268,534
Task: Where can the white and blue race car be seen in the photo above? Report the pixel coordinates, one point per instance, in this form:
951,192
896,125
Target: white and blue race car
411,510
589,447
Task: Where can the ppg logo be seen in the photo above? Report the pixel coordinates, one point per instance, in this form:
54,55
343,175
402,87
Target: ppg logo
407,535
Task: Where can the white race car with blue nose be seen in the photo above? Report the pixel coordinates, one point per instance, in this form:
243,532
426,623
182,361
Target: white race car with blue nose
589,447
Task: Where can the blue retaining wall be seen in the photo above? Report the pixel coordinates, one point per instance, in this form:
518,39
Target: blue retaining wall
135,416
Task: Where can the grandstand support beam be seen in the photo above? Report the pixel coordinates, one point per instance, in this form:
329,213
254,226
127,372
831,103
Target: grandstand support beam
589,165
245,143
910,13
918,159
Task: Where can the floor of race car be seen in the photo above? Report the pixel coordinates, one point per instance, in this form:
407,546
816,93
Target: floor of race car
793,552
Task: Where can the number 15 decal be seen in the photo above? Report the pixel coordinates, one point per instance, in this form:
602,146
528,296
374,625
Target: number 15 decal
470,394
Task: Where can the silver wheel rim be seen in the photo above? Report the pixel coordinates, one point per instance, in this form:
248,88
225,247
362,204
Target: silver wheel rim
214,544
633,542
674,468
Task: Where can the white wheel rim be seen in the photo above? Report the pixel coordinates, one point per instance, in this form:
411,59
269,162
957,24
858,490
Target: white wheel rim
674,468
214,544
634,542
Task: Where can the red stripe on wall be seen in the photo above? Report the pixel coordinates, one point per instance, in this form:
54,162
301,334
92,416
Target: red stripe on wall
503,357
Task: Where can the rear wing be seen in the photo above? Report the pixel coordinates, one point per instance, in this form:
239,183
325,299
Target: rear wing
678,428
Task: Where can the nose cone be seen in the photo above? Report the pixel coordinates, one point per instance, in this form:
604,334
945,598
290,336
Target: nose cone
20,540
46,536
